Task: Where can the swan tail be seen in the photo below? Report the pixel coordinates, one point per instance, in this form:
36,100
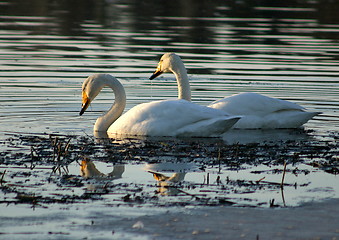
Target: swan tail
298,119
208,128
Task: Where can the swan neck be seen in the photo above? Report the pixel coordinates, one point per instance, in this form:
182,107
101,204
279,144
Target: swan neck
184,89
105,121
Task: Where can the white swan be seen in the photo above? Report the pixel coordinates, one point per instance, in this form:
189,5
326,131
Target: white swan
257,111
157,118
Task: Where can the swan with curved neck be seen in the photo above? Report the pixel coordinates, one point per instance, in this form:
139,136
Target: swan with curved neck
92,87
158,118
257,111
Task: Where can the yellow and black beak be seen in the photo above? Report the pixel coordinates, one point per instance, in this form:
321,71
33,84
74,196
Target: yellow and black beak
85,103
156,74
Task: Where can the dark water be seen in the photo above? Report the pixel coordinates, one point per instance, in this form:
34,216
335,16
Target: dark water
287,50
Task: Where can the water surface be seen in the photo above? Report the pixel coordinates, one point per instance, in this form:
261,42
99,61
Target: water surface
46,51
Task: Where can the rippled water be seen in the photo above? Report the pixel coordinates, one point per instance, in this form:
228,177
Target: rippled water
287,49
48,49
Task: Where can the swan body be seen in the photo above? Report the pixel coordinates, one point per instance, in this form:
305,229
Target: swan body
257,111
158,118
172,118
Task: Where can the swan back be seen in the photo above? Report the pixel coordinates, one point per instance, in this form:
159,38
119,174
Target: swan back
253,104
264,112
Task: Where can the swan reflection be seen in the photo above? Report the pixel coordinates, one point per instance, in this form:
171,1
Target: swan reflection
89,170
169,184
233,136
175,178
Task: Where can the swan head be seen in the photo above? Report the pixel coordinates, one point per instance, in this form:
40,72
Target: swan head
91,88
169,62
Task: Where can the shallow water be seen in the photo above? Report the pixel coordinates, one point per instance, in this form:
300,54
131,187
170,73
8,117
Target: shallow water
287,50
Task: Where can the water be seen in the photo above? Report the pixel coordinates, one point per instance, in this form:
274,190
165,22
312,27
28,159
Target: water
47,50
287,50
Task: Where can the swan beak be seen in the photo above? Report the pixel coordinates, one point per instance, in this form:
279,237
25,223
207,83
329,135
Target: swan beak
156,74
85,103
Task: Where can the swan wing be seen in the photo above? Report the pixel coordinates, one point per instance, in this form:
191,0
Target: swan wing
173,118
253,104
260,111
207,128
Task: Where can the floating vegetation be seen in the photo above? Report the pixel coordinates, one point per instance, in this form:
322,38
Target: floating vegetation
44,169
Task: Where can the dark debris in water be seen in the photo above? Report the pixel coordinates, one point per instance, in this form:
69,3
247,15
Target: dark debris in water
48,157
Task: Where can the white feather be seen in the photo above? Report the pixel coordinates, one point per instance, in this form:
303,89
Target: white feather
257,111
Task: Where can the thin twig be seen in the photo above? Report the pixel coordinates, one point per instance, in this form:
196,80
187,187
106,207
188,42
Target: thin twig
59,151
67,146
219,159
283,197
196,196
218,180
2,177
208,179
283,176
55,141
258,181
